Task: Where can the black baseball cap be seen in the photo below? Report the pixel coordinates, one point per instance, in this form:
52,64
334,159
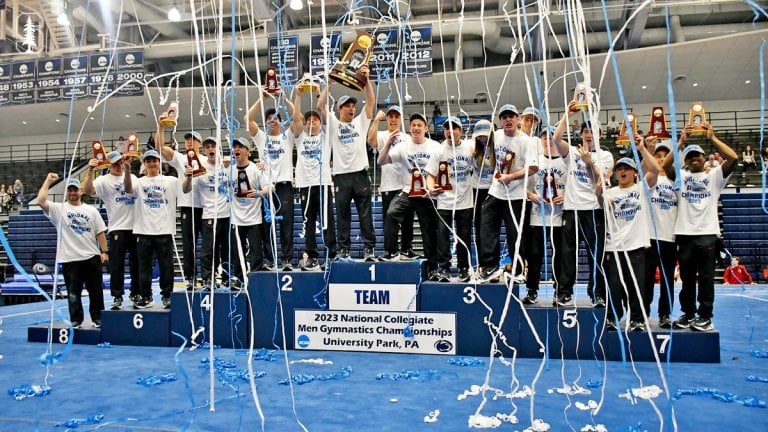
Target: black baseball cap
312,113
418,116
270,112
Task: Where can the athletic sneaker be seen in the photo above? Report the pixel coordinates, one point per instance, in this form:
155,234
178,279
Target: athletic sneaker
637,326
464,275
665,322
702,325
409,255
310,264
148,302
684,321
268,265
133,298
443,275
520,279
117,303
390,257
564,300
166,302
234,285
77,324
610,324
343,255
205,285
531,298
287,266
490,274
598,303
139,303
96,323
368,255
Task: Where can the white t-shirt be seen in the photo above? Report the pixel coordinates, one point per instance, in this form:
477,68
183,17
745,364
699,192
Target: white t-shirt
78,227
212,189
697,204
551,169
461,165
412,155
277,154
119,204
579,186
313,160
523,151
626,218
190,199
247,211
391,177
348,141
155,212
483,177
664,209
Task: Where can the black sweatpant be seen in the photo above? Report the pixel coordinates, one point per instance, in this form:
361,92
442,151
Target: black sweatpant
122,242
662,255
624,296
76,274
313,200
590,226
354,186
160,246
697,254
463,222
406,228
494,212
425,211
251,247
214,254
191,230
537,249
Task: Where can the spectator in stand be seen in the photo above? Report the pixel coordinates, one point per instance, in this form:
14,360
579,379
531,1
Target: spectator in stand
5,199
18,187
748,158
737,274
613,127
765,154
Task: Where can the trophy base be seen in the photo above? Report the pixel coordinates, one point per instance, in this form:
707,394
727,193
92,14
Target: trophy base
272,93
445,188
167,122
417,194
242,194
103,165
349,81
660,136
132,154
581,107
308,88
622,141
698,132
198,173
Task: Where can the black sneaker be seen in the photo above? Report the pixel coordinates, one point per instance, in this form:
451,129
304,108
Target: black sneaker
343,255
96,323
205,285
368,255
311,265
390,257
189,285
684,321
702,325
610,324
665,322
117,304
598,303
166,302
234,285
432,276
531,298
464,275
287,266
268,266
443,275
133,297
140,303
636,326
148,302
77,324
490,274
408,255
564,300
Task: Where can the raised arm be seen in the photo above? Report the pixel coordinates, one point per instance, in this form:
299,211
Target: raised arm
728,153
167,152
384,157
127,180
562,144
373,131
370,96
88,188
297,119
322,101
250,117
42,195
651,169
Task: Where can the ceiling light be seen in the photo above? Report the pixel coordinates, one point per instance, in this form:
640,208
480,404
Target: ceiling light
63,19
174,15
127,116
23,122
297,4
644,87
93,118
695,84
58,120
747,82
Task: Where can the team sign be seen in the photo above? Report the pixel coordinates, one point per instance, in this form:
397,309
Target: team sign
392,332
373,297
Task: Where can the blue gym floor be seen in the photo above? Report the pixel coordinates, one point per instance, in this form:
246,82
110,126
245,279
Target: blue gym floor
381,392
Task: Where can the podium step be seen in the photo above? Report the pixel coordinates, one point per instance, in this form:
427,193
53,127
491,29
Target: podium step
85,335
139,327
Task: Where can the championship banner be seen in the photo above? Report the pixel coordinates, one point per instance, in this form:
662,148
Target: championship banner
75,77
98,65
317,46
48,83
23,83
417,51
130,69
5,84
385,54
392,332
284,57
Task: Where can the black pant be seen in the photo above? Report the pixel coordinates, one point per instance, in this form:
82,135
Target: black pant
537,249
697,254
250,245
161,246
76,274
425,211
477,216
191,228
406,228
354,186
283,202
623,265
591,229
313,200
214,253
662,255
266,235
122,242
463,222
494,211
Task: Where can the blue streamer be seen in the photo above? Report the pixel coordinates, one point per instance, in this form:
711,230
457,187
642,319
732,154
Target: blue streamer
154,380
713,393
104,345
753,378
593,384
635,428
25,391
304,379
75,423
415,375
466,362
759,354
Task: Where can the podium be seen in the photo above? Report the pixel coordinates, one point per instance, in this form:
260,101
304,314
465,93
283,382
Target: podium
61,334
138,327
190,312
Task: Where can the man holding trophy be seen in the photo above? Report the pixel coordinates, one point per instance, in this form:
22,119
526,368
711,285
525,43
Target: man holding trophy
347,134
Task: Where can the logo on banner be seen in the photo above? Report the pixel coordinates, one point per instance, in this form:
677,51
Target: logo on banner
303,341
23,69
415,36
382,38
130,59
75,63
102,61
443,346
48,66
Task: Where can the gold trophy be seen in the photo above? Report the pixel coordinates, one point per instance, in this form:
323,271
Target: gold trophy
193,160
696,118
443,177
506,165
271,84
347,71
100,155
417,184
581,97
623,138
132,146
168,118
549,187
658,126
307,86
243,185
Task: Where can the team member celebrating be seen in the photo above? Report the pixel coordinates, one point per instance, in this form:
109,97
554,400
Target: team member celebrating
453,166
119,206
313,179
697,229
154,225
347,135
82,248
